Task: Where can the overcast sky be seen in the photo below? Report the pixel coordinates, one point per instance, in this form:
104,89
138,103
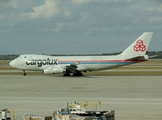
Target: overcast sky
77,26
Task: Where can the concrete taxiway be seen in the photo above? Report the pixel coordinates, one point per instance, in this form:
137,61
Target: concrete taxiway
132,97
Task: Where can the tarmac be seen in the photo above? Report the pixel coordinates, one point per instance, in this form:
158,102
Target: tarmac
132,97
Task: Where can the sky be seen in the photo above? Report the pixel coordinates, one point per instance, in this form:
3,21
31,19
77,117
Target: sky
77,26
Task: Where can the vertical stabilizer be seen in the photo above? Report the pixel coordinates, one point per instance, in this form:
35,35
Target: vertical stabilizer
139,46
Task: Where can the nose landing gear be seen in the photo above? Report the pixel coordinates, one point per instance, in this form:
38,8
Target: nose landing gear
24,73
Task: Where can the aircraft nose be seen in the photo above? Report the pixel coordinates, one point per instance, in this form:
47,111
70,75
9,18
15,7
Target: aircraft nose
12,63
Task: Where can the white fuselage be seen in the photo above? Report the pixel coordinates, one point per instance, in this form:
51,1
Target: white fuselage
84,63
134,53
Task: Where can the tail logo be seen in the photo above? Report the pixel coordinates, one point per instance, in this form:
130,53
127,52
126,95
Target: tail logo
139,46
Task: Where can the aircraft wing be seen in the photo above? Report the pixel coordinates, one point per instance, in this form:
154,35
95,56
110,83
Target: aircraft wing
153,56
144,57
73,68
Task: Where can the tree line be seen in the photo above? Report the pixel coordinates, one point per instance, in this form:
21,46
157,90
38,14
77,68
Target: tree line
150,53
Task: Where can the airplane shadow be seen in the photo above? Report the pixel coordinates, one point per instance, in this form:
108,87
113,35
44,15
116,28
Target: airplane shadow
84,76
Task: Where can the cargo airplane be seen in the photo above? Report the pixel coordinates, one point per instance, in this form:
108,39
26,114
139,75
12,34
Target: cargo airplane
76,65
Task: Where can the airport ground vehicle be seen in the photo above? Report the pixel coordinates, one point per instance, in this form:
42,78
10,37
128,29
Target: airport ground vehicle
87,110
7,114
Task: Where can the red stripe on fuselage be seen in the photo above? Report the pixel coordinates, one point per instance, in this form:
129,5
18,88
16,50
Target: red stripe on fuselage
101,60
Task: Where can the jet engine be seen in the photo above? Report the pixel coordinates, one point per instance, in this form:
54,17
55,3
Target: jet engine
54,70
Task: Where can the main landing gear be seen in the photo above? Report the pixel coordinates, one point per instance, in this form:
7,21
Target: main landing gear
67,74
74,74
78,74
24,73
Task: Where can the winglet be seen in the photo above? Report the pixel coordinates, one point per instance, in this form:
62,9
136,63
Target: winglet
139,46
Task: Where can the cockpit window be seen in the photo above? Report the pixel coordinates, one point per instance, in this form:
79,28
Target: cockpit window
22,56
25,56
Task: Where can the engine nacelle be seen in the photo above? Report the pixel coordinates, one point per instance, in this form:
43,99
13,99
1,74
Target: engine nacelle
54,70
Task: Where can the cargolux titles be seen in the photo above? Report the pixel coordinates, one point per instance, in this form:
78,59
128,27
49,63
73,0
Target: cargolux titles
40,62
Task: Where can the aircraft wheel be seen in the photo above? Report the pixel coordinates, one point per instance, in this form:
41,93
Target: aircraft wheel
78,74
75,74
81,74
67,74
24,74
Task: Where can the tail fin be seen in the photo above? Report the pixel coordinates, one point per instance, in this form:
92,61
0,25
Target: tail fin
139,46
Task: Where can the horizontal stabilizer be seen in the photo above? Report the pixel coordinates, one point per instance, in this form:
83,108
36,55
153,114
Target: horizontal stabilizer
145,57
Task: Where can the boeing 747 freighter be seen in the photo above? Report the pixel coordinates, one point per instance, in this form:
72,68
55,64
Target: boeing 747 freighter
76,65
